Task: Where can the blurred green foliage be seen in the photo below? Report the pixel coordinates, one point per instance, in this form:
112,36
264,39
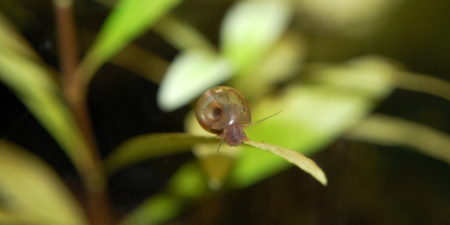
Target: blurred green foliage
265,50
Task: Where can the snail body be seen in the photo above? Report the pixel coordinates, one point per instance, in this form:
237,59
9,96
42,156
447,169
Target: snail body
224,111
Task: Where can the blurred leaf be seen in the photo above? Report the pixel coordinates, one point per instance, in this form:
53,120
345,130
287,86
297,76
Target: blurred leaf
155,210
312,115
216,163
283,62
422,83
14,42
368,76
142,62
386,130
250,29
32,84
150,146
189,75
296,158
32,191
310,118
129,19
187,184
182,35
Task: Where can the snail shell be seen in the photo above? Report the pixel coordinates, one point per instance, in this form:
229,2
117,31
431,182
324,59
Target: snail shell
224,111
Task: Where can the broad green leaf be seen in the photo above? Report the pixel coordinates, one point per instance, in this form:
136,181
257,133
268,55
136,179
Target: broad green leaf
369,76
151,146
250,29
296,158
391,131
33,85
310,118
128,20
189,75
187,184
32,192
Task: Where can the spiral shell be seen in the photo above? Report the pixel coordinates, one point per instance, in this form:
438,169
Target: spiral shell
224,111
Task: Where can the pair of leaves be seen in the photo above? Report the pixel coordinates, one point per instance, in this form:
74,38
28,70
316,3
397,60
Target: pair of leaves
32,82
23,71
249,31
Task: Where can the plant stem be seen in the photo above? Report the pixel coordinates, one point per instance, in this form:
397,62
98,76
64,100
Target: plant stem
94,180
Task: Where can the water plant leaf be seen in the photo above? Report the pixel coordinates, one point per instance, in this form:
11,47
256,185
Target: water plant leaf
312,115
32,193
369,76
32,83
283,62
215,159
128,20
152,145
422,83
182,35
250,29
391,131
301,161
13,41
189,75
186,185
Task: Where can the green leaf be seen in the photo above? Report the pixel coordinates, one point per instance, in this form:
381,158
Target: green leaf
311,115
14,42
33,85
32,193
283,62
129,19
187,184
422,83
182,35
310,118
189,75
155,210
216,163
391,131
369,76
296,158
150,146
250,29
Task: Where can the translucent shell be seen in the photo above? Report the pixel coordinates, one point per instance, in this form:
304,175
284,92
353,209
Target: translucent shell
224,111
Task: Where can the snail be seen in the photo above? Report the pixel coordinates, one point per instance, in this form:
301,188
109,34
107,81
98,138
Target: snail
224,111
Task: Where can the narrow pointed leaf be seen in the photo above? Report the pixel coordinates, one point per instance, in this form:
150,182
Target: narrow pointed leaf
128,20
391,131
296,158
149,146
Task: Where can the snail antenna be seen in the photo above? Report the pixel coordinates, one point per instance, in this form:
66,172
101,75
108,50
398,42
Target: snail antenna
267,117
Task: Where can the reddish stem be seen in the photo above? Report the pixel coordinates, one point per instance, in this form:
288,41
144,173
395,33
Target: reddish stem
97,201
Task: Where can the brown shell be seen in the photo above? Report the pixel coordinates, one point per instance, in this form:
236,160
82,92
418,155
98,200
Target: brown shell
224,107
